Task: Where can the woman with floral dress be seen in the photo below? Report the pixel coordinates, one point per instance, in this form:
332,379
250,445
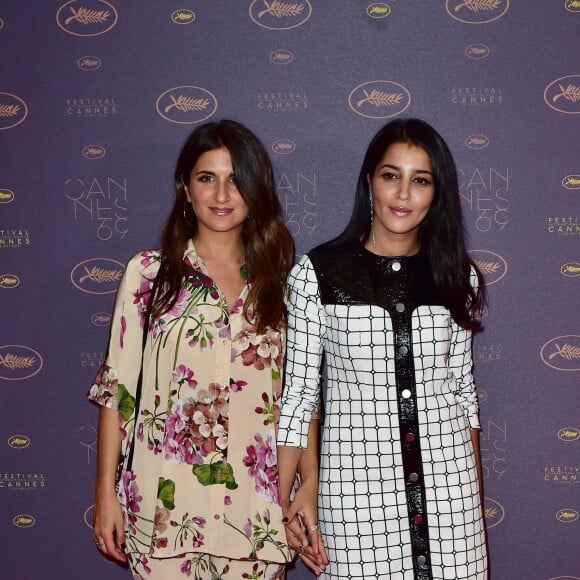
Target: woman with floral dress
392,304
201,497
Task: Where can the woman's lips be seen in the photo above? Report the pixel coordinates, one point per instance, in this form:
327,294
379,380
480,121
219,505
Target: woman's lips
400,211
221,211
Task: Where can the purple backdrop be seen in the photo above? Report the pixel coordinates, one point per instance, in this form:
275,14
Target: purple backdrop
97,97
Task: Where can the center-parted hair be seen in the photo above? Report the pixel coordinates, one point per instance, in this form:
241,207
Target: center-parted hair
442,233
269,247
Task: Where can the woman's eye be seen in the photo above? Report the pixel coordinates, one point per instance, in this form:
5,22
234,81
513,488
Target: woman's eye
389,175
423,181
205,178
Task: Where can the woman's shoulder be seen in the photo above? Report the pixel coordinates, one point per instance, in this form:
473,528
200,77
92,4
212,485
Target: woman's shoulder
143,264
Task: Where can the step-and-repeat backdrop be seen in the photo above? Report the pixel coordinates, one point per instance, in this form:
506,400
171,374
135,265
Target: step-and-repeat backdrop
96,99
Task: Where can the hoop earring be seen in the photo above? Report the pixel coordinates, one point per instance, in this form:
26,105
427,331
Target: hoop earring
372,218
187,220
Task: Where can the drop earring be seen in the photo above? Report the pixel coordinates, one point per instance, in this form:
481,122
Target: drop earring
372,218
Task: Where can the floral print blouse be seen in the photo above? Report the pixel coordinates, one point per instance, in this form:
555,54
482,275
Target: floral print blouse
204,475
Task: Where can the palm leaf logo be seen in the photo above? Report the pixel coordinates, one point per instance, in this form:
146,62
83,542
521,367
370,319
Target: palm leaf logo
566,351
570,93
100,275
9,110
86,16
186,104
281,9
490,513
380,98
14,362
478,5
487,267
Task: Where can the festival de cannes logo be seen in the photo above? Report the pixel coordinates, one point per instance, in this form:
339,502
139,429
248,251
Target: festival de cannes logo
6,196
492,265
276,15
563,95
183,16
477,51
379,99
477,142
281,56
18,362
101,319
476,11
571,182
86,17
572,5
93,152
569,434
9,281
89,63
283,146
567,516
18,441
23,521
186,105
378,10
570,269
494,513
97,275
562,353
13,111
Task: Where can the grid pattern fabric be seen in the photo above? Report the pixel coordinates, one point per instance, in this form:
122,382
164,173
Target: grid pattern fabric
363,511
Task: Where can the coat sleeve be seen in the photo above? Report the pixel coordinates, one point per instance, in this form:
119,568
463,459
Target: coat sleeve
306,331
116,381
461,365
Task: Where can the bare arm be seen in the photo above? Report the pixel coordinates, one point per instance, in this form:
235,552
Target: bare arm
303,508
477,454
108,518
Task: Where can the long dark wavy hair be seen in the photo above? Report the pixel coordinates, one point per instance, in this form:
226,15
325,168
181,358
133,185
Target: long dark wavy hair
441,234
269,247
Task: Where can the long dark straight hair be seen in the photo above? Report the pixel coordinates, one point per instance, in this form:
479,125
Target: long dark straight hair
269,247
441,234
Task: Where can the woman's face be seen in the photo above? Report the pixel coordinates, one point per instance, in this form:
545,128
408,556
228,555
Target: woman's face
403,189
214,195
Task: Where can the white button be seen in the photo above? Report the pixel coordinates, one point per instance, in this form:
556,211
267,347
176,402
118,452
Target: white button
403,350
396,266
400,307
406,393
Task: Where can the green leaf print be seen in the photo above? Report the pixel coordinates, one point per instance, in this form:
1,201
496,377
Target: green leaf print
166,493
215,473
125,402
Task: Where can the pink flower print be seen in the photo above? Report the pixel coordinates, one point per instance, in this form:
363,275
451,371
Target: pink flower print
161,518
261,463
205,423
227,500
180,305
223,328
184,375
131,492
237,307
221,437
248,528
186,568
148,257
123,329
243,338
237,386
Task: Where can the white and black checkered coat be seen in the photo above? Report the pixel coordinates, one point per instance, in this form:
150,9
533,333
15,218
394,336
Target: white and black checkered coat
399,495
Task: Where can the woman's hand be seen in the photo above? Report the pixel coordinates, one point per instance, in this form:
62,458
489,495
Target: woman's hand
108,525
306,540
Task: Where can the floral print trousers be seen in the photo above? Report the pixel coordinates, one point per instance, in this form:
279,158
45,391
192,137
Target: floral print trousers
199,566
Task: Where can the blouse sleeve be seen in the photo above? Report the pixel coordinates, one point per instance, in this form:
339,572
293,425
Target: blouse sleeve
116,381
461,365
306,330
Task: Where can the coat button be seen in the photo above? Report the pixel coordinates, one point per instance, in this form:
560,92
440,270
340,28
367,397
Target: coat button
413,477
403,350
421,560
417,519
400,307
406,393
396,266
